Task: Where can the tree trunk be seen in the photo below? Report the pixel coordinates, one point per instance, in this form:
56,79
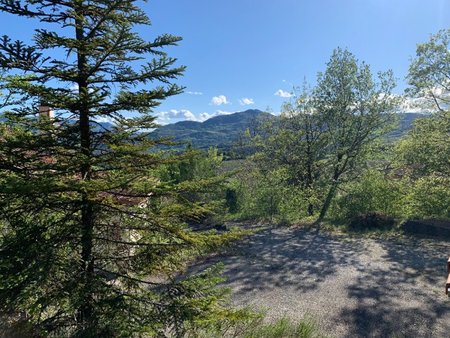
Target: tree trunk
87,261
309,164
87,206
339,169
328,199
310,209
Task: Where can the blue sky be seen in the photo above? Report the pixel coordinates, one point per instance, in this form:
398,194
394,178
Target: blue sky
241,53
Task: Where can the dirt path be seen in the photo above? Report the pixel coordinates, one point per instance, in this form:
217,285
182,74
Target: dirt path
352,287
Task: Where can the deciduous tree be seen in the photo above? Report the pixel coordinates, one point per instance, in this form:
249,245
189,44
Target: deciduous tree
426,150
355,109
429,72
296,143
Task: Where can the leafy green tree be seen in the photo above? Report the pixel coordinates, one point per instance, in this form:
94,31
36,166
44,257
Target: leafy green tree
87,222
324,133
355,110
429,72
424,153
296,143
426,150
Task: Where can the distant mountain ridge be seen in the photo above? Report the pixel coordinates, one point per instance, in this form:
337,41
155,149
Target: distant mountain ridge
225,130
219,131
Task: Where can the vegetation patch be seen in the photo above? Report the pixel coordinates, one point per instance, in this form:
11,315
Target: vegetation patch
371,221
257,328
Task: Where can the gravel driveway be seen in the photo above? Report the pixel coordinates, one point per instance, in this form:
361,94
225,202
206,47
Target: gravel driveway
352,287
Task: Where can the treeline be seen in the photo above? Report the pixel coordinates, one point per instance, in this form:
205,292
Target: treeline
327,158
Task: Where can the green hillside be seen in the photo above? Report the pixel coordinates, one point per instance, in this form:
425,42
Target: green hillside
224,130
220,131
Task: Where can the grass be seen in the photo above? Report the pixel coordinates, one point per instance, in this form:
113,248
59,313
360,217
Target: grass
284,328
257,328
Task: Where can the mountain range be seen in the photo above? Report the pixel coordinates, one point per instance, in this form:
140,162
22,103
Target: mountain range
225,130
219,131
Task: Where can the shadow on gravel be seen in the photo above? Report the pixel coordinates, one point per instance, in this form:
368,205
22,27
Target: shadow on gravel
384,288
401,294
277,258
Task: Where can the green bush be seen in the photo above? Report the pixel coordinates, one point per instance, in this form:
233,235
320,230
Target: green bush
373,192
266,195
258,194
429,197
294,203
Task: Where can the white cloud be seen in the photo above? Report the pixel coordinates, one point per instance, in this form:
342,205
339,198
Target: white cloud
438,91
189,116
74,88
282,93
205,116
194,93
219,100
104,119
416,105
245,101
429,101
222,112
175,115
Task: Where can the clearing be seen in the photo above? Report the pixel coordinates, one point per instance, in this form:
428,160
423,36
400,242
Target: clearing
351,286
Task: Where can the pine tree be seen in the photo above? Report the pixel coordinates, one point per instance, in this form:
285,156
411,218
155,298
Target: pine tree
87,224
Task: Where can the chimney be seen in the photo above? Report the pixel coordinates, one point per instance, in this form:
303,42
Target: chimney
45,112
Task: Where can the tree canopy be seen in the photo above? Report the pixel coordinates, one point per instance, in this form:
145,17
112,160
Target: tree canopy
324,132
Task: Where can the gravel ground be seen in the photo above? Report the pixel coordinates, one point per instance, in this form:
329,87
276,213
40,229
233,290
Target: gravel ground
352,287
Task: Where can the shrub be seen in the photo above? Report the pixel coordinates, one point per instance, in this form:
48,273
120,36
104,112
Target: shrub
374,192
429,197
265,195
258,194
371,221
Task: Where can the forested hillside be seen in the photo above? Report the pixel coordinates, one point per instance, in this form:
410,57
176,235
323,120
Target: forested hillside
220,131
225,131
